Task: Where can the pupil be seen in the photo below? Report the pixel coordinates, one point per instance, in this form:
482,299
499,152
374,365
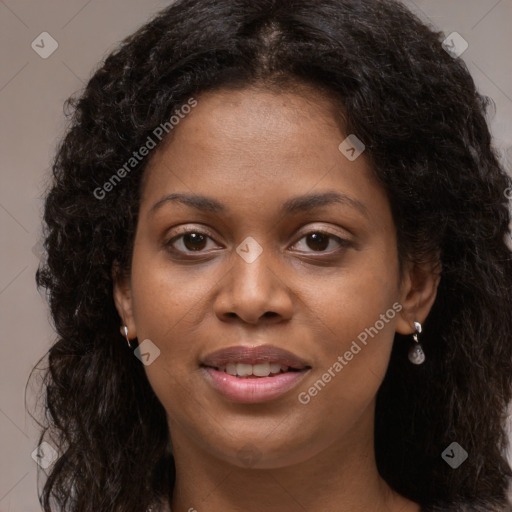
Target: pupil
321,241
195,238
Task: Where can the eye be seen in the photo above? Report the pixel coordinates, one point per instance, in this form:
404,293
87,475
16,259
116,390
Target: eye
319,241
195,241
189,241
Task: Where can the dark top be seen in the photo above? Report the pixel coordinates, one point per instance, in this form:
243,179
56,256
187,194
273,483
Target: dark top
468,506
480,506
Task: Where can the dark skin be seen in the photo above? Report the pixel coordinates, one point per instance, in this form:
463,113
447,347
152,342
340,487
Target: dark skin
252,150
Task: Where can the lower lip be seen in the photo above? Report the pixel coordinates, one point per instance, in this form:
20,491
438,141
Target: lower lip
251,390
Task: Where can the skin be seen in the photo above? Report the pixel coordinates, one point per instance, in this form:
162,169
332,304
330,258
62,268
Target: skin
252,150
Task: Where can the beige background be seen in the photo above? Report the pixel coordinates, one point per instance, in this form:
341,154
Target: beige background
32,91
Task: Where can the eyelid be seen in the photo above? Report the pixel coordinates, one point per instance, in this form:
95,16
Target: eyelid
188,228
184,230
325,231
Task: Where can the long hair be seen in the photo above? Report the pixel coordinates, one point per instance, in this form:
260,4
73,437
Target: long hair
423,123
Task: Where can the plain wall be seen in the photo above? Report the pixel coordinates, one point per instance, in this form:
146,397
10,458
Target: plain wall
32,92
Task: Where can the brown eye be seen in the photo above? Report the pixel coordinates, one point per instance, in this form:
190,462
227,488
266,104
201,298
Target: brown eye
188,242
194,241
319,241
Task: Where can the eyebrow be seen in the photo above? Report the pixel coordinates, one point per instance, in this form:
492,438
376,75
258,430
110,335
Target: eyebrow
294,205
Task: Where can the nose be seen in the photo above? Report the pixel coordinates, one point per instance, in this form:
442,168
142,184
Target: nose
254,292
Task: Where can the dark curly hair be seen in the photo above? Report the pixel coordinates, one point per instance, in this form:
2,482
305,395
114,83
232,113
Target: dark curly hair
423,123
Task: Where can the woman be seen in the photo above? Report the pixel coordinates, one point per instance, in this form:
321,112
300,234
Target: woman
277,269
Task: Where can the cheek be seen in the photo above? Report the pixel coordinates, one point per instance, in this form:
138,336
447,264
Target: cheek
355,318
165,307
166,299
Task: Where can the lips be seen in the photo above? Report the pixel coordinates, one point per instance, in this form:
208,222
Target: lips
253,374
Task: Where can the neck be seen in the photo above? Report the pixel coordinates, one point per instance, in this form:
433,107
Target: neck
343,477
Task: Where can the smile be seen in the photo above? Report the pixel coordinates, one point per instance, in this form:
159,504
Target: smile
255,370
252,374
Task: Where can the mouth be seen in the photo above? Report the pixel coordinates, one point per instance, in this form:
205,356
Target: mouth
253,374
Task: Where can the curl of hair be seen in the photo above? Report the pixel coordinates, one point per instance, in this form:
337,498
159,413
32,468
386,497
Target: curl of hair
423,123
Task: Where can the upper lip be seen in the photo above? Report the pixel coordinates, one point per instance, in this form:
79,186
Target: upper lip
254,355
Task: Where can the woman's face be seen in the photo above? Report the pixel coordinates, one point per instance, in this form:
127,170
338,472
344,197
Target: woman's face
290,244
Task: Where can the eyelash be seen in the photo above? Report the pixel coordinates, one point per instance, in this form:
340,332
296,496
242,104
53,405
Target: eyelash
169,244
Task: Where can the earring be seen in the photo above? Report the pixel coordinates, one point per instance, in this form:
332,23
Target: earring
124,331
416,354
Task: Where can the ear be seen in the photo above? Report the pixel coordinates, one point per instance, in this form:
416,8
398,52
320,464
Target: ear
123,299
418,293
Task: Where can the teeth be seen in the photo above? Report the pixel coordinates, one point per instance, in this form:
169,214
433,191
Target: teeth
244,370
275,367
261,370
229,368
258,370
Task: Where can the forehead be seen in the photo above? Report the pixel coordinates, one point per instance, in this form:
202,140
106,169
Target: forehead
255,145
254,120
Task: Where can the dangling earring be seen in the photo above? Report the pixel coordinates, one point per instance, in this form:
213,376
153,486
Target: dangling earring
124,331
416,354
